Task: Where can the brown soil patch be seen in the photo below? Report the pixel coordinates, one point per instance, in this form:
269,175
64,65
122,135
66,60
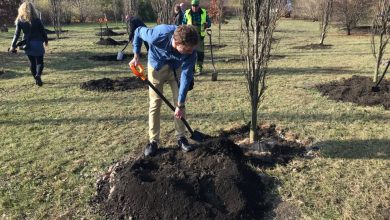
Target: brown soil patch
107,85
357,89
54,38
53,32
126,57
108,32
313,47
238,59
215,46
212,182
110,41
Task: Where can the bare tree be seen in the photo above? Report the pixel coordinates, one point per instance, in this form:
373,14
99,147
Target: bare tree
308,9
163,9
56,16
350,12
380,36
258,22
326,8
81,7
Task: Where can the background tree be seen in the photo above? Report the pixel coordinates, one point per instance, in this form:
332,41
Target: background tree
216,13
56,16
326,8
380,36
81,7
163,9
307,9
258,22
131,7
8,11
349,12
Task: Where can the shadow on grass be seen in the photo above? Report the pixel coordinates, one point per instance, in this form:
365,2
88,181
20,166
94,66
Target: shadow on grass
78,120
356,149
9,74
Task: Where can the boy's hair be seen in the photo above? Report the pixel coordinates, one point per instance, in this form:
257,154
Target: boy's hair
186,35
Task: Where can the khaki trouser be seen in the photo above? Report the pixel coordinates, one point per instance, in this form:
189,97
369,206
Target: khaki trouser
158,79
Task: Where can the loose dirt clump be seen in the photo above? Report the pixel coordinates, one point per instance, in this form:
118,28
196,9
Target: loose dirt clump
107,85
212,182
110,41
357,89
313,47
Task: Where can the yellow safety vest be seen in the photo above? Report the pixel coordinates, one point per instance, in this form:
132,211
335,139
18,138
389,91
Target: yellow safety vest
203,21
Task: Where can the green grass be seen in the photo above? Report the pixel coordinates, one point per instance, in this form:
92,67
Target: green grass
56,140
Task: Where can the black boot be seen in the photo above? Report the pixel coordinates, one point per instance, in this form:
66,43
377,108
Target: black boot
38,81
184,145
151,149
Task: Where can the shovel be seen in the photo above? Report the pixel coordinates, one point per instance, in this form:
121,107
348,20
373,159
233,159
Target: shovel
214,76
195,135
120,53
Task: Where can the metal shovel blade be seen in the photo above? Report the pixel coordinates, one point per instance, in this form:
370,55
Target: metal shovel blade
199,136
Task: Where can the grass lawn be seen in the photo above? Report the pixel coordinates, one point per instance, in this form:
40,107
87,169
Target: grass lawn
57,139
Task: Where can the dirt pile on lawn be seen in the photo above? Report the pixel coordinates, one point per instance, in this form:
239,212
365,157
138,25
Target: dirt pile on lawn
313,47
357,89
212,182
110,41
120,84
108,32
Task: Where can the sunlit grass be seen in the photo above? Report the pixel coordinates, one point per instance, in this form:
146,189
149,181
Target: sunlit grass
57,139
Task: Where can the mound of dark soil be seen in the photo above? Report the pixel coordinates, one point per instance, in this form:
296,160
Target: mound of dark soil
357,89
126,57
110,41
106,84
276,146
313,47
53,32
54,38
108,32
211,182
215,46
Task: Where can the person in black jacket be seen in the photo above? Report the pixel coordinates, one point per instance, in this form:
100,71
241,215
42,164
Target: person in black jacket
178,16
34,34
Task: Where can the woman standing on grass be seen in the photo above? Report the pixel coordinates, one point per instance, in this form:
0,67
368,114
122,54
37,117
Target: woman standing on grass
34,34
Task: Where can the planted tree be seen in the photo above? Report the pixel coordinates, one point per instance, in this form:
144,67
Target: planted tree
216,13
56,16
380,38
163,9
258,22
350,12
326,8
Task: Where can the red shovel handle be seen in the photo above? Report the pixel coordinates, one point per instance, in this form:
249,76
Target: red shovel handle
138,71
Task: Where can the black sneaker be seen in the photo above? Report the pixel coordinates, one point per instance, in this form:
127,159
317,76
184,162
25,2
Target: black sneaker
38,81
151,149
184,145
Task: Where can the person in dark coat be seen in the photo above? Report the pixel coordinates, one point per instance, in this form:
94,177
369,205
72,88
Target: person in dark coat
134,23
178,17
34,34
